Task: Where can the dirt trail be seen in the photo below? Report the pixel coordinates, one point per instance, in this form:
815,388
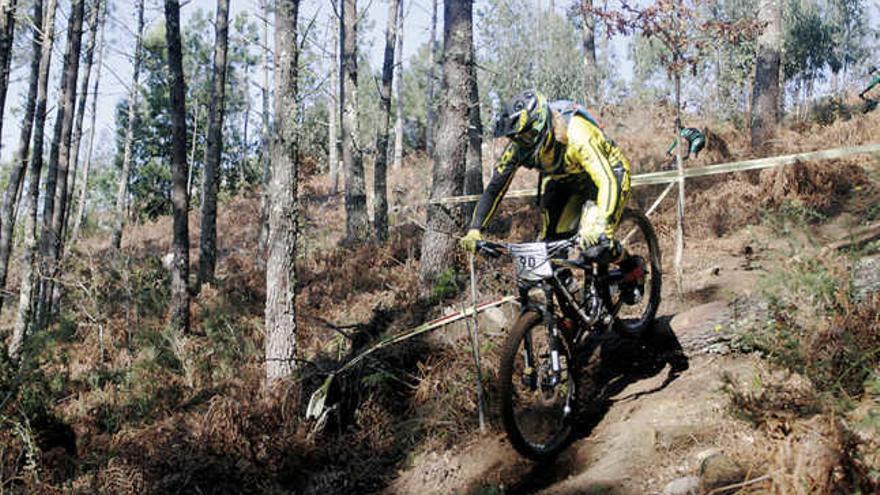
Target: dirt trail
653,432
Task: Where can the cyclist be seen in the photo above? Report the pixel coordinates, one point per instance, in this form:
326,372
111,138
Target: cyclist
696,141
871,103
584,178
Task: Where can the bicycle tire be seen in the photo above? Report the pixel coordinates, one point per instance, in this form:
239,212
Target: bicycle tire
637,327
545,451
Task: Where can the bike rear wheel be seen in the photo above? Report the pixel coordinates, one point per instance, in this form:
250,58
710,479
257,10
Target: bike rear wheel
537,413
638,239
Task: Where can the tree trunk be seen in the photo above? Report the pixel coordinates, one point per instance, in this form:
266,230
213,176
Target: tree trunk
280,341
55,203
333,105
473,177
122,187
765,95
264,132
87,164
591,80
94,19
432,64
398,93
7,38
208,238
20,159
191,164
179,197
357,221
439,242
24,320
679,232
380,186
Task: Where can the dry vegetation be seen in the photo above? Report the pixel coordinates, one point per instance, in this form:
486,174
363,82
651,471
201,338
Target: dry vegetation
109,401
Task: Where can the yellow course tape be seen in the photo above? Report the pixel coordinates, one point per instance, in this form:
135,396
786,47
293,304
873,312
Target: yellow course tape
668,176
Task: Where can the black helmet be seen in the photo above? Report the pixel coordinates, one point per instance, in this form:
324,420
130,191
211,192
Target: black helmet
525,119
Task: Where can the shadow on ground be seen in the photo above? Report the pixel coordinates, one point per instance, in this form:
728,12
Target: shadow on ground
624,361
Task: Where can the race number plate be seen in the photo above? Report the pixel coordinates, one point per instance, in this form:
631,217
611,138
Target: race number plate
531,261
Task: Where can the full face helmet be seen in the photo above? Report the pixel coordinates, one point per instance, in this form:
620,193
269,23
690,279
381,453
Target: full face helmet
525,119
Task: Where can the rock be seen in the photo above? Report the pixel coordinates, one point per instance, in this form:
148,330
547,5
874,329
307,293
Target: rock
866,277
689,485
718,470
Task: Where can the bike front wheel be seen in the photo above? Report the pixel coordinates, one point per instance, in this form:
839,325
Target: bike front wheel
537,404
638,303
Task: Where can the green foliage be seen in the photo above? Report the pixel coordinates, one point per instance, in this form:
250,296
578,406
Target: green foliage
150,181
522,48
446,285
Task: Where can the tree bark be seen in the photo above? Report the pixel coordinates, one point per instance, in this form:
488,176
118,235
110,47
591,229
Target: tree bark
398,93
357,221
122,187
208,237
280,343
264,132
588,26
20,158
87,164
431,116
7,37
473,178
439,242
24,320
765,95
333,107
94,19
179,198
380,185
55,203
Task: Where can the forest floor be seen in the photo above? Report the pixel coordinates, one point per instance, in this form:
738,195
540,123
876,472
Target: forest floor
111,402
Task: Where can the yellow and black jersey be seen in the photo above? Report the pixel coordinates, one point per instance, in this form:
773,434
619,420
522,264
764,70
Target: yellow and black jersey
577,148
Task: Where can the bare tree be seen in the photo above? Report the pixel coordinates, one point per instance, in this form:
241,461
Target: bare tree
357,222
280,343
264,131
24,320
20,159
588,27
431,116
7,37
55,202
333,109
765,95
380,167
208,238
94,19
87,163
439,242
398,93
122,187
179,197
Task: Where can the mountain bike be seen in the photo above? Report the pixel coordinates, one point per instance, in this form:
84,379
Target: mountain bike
566,296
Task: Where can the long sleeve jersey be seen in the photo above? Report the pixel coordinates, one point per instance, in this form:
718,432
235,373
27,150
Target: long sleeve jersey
582,150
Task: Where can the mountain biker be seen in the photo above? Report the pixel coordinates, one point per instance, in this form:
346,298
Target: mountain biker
696,141
584,177
871,103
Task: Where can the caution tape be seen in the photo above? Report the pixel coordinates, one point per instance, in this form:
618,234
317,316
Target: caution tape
665,177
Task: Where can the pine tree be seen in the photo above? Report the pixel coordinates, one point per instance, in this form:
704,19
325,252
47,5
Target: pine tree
280,343
179,195
208,238
439,243
380,186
